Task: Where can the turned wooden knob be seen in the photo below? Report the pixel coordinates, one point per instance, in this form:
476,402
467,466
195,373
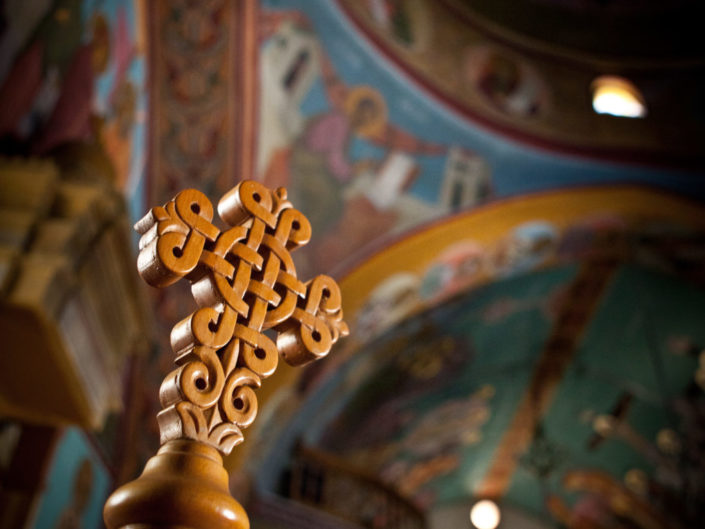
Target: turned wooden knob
184,486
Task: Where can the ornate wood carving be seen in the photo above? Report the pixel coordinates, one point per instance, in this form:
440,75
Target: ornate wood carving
244,281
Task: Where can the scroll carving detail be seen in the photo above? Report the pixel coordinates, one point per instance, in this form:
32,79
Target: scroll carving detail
244,282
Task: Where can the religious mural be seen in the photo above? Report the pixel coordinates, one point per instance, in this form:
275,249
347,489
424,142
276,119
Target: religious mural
429,404
635,419
336,146
368,153
75,71
509,84
428,392
414,30
374,147
525,247
512,69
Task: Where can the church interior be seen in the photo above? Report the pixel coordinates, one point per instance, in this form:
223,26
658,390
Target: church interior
510,195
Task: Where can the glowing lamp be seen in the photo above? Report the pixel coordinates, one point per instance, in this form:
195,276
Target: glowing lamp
485,514
618,97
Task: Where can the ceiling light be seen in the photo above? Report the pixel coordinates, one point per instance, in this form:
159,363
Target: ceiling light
485,514
618,97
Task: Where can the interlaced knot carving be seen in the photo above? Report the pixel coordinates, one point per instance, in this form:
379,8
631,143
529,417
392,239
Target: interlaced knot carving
244,282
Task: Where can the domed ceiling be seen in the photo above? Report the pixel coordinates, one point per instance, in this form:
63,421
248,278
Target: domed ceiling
523,277
375,111
517,392
557,368
521,274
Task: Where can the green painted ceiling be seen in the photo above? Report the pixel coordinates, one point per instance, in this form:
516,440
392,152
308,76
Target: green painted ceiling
429,403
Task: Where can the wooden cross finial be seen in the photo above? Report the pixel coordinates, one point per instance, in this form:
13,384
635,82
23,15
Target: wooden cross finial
244,281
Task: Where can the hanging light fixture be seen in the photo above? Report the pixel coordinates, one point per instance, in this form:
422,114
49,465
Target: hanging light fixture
485,514
618,97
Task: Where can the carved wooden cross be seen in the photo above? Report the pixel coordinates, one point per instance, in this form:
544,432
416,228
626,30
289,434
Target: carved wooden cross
244,281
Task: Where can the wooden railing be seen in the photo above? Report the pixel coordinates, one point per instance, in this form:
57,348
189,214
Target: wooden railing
333,485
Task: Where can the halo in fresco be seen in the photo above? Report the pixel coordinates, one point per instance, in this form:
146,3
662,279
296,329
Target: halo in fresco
366,110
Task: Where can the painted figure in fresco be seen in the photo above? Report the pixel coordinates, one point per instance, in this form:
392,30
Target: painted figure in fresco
395,298
455,423
428,363
49,94
121,113
48,89
81,493
456,268
350,199
512,87
433,441
319,158
528,246
320,162
433,447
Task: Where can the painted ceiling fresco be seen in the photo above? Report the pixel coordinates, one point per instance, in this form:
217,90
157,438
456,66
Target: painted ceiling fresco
74,71
432,404
557,361
365,151
510,238
490,284
527,321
